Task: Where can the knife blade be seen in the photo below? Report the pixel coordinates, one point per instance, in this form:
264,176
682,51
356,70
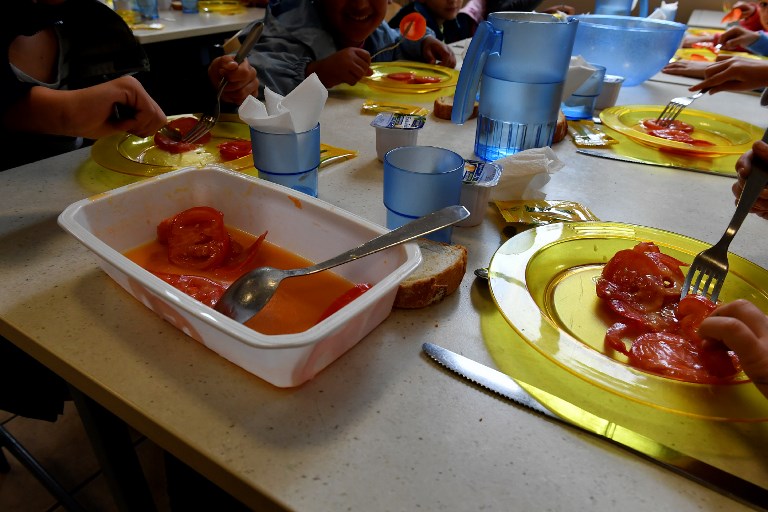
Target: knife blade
502,384
632,160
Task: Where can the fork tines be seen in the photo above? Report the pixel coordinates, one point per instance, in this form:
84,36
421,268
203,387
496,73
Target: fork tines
203,126
705,277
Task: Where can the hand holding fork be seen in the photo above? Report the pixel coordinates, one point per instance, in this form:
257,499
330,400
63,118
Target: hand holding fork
208,120
709,267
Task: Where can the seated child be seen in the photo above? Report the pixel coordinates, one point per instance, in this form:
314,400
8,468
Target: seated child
746,36
333,38
440,16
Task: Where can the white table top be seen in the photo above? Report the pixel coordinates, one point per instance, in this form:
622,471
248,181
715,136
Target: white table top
179,25
381,428
704,18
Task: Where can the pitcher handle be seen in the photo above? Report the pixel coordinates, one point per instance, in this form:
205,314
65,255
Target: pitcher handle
486,40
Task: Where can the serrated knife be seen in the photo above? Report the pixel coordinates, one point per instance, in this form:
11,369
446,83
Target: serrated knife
730,485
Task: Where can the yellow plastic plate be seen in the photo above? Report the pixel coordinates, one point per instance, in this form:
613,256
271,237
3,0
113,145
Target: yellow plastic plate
703,54
543,282
448,77
729,135
139,156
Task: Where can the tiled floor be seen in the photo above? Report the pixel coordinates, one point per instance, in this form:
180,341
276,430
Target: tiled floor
64,450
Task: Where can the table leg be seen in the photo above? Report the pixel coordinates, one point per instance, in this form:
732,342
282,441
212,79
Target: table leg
111,442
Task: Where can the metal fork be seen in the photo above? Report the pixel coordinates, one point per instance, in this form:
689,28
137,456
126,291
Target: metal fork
207,121
710,266
675,106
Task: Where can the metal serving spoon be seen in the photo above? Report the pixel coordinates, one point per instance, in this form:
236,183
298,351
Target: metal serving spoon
251,292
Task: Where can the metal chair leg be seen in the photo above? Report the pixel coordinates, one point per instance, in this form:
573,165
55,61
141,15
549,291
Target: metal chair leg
51,484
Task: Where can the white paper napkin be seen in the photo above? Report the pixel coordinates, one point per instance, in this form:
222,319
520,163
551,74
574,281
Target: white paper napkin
525,173
578,71
297,112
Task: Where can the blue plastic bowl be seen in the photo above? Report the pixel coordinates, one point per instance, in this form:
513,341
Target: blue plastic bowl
635,48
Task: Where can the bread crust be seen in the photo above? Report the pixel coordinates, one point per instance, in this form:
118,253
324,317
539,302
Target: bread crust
443,108
440,273
561,130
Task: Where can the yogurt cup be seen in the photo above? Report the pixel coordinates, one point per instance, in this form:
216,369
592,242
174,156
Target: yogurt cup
610,91
479,179
394,130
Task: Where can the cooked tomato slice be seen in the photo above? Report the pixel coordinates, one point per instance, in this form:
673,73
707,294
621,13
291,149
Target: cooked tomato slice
425,80
201,288
702,143
668,354
234,149
634,278
413,26
734,15
241,263
669,134
183,124
402,77
345,299
198,239
652,124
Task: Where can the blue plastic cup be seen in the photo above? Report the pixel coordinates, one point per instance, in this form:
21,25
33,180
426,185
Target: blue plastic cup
189,6
614,7
148,9
288,159
581,104
419,180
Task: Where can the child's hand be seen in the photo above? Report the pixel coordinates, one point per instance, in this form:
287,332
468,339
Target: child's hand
242,79
744,329
743,166
737,37
346,66
435,51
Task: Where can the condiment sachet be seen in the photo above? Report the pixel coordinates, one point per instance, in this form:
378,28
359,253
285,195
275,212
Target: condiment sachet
539,212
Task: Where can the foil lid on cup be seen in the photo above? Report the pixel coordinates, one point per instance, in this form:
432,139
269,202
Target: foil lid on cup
398,121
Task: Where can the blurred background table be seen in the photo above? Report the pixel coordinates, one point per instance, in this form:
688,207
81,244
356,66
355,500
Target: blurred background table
382,428
179,25
703,18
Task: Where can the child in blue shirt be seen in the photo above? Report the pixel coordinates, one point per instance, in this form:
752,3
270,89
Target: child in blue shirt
333,38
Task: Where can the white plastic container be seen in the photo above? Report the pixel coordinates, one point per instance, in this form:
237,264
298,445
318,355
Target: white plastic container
114,222
395,130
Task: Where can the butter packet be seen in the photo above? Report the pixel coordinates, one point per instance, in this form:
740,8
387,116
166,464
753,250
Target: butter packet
540,212
332,154
586,134
378,106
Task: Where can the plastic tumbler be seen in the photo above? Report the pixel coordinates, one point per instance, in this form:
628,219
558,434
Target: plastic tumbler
189,6
148,9
289,159
581,104
614,7
419,180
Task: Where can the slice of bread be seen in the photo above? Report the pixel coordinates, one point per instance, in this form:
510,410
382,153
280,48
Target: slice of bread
561,130
438,275
444,108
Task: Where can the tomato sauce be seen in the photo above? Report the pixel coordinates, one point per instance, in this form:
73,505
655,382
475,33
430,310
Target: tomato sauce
298,303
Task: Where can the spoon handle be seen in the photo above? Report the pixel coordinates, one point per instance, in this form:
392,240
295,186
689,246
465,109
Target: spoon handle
414,229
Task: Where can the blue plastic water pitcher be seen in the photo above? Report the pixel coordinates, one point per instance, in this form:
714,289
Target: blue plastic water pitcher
519,62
